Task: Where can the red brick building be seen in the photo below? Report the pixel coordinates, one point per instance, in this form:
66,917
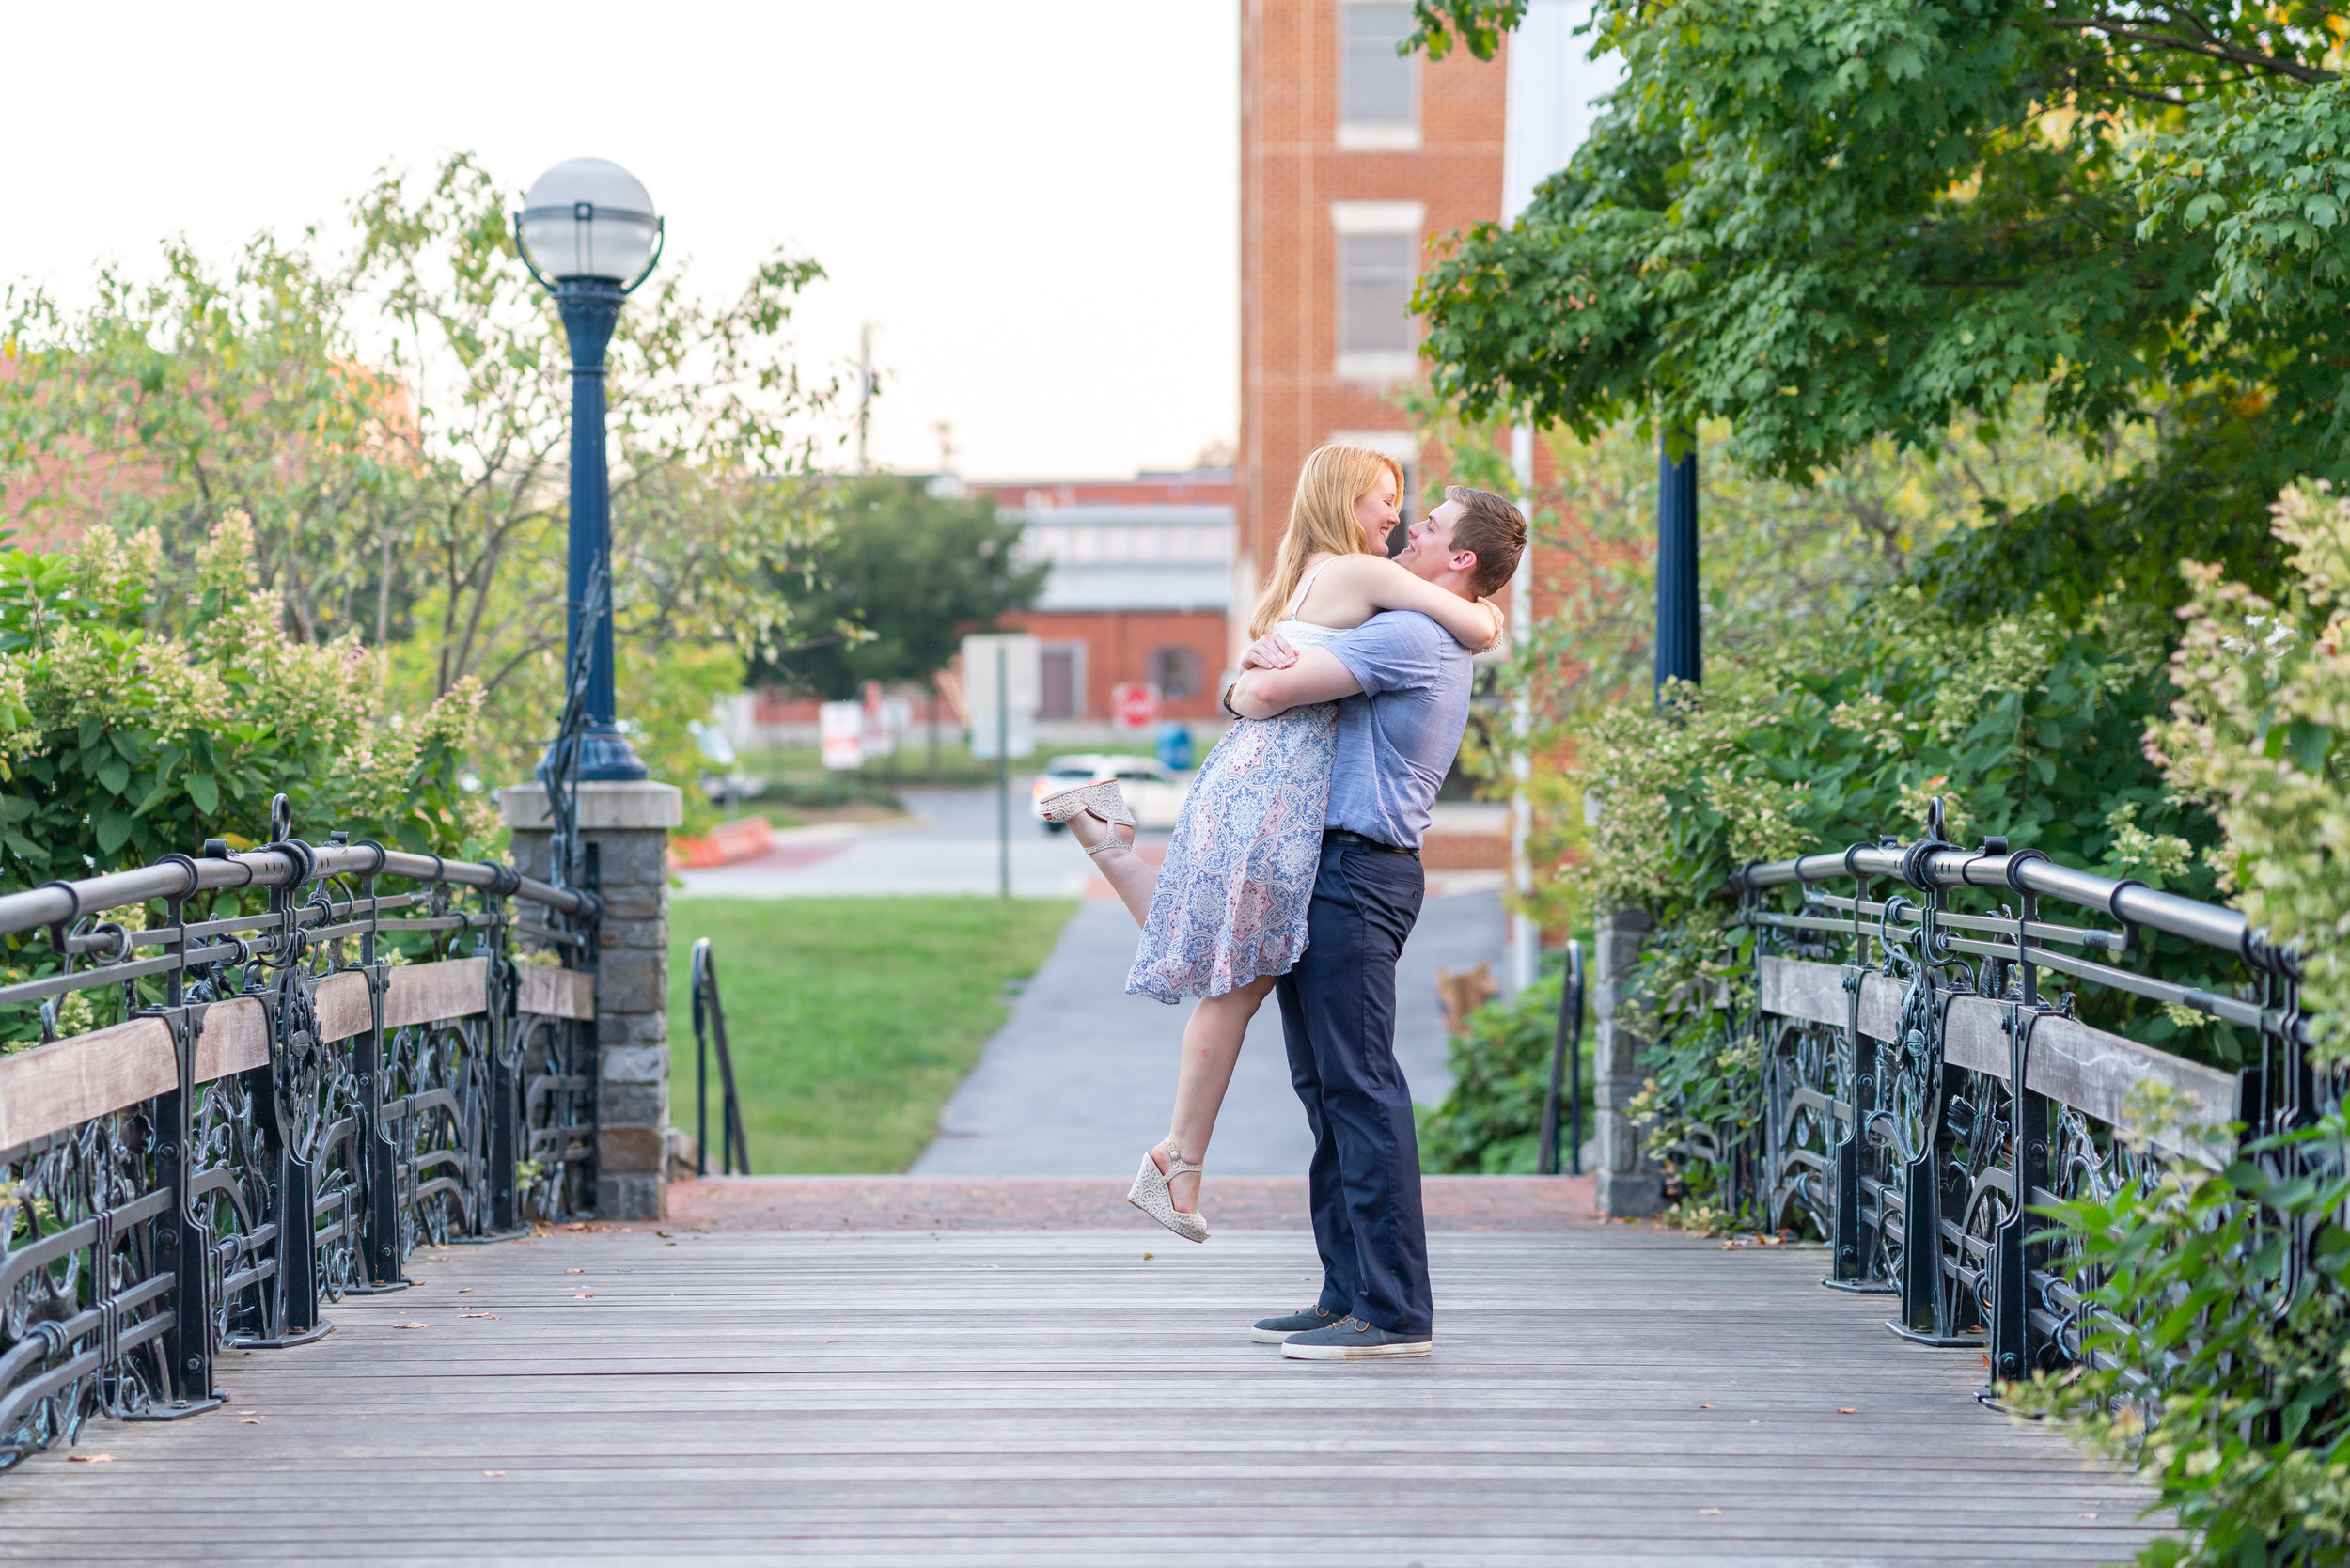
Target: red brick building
1353,161
1142,575
1140,584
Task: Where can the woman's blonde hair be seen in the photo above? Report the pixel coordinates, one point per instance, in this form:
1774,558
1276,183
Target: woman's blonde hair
1321,521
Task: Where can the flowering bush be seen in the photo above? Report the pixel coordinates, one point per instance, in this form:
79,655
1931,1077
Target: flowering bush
120,742
2022,727
2248,1429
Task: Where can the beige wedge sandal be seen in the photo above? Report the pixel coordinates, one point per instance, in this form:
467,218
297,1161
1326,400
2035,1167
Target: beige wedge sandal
1102,798
1154,1193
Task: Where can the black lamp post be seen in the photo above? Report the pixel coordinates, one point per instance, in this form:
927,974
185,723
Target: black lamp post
1676,557
590,225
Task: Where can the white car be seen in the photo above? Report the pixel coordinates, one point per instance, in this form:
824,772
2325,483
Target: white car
1153,795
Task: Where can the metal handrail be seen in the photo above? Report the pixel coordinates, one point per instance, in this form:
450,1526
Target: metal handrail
57,902
710,1024
1948,866
1566,1062
1911,1064
278,1119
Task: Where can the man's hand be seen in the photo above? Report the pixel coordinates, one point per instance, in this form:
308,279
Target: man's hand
1315,677
1270,651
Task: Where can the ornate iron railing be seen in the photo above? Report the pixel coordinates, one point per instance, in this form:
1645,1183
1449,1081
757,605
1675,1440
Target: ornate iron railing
710,1026
1904,991
295,1096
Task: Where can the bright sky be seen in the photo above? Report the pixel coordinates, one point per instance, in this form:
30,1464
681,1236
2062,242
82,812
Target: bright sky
1036,203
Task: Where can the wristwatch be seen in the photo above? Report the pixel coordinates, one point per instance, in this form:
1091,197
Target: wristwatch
1226,700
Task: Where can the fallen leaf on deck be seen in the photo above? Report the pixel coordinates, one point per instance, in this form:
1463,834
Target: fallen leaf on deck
412,1326
585,1295
1147,1255
1705,1408
1717,1510
249,1422
465,1290
502,1472
583,1271
1852,1410
108,1459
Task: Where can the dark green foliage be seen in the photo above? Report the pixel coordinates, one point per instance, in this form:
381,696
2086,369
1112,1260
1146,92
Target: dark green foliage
915,572
2250,1438
1489,1121
1831,222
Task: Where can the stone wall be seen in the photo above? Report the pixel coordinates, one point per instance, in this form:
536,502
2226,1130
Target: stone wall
625,829
1630,1186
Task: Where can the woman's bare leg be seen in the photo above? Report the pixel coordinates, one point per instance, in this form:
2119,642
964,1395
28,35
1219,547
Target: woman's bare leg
1131,876
1210,1050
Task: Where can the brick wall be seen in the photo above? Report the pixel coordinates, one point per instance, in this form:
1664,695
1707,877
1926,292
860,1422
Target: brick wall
1292,171
1119,645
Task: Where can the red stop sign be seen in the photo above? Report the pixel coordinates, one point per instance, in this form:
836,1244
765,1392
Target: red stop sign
1135,704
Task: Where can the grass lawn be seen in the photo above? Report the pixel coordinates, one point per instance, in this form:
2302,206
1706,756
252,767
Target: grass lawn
850,1020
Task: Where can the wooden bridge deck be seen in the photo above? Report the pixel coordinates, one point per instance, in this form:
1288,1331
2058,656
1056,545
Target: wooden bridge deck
981,1397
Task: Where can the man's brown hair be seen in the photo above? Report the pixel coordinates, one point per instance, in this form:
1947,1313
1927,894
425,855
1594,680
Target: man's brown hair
1494,529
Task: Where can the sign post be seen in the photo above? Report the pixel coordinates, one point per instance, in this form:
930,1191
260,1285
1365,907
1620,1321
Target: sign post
1002,680
841,731
1136,705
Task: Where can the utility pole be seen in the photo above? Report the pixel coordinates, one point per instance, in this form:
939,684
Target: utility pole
867,386
1003,769
1524,954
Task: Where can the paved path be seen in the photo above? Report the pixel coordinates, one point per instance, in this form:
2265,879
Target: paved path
1600,1394
1079,1080
948,846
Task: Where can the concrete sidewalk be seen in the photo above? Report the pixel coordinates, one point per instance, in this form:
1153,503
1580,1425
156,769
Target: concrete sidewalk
1080,1080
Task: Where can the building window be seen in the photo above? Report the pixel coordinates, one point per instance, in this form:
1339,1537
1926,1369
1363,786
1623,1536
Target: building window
1378,88
1375,273
1061,673
1378,246
1176,673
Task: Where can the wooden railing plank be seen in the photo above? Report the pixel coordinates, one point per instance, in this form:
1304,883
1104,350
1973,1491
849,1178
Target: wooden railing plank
554,993
235,1038
427,993
1792,988
2089,1069
343,1005
51,1088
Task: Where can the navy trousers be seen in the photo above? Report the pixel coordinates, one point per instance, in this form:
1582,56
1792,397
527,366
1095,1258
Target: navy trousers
1337,1014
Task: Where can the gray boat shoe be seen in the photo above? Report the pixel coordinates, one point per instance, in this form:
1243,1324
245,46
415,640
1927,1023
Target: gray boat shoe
1272,1331
1352,1339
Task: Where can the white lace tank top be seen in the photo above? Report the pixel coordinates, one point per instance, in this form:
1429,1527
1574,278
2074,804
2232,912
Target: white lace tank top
1307,634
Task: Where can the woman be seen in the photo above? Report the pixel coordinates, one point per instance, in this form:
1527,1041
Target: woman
1226,915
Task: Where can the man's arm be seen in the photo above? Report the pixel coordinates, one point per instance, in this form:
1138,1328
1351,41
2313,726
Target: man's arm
1316,677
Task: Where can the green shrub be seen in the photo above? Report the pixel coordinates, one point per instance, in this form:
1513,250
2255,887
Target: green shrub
2021,726
121,742
2221,1376
1489,1121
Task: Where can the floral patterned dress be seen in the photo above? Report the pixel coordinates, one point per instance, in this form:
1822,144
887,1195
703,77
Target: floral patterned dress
1232,897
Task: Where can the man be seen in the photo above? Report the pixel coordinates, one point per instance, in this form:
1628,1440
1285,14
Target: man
1402,688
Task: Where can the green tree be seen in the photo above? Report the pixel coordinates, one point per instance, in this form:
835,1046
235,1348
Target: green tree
392,413
906,574
1833,222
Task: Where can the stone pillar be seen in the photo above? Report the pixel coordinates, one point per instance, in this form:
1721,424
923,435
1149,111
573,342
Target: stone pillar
1630,1186
624,829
